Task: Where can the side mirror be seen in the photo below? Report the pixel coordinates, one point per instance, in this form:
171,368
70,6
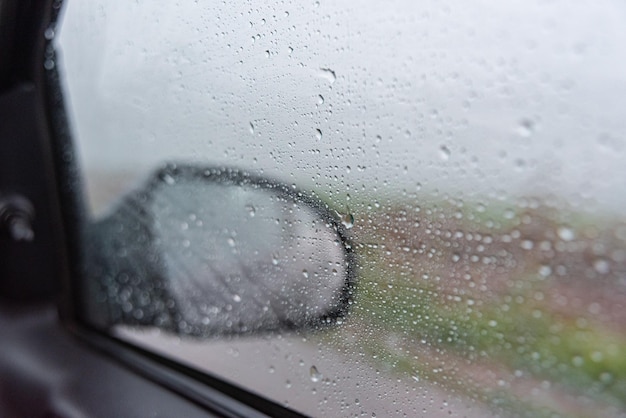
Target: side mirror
216,251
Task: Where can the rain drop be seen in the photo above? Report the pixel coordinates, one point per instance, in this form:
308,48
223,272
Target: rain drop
49,33
328,74
318,134
601,266
527,244
444,152
606,377
565,233
316,376
545,271
347,219
168,179
596,356
525,128
21,229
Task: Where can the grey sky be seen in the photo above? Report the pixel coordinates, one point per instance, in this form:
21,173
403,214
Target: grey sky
469,98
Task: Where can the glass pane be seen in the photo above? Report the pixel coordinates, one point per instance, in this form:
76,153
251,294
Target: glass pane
475,148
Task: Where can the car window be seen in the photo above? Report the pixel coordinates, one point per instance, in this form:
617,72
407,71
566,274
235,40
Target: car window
472,152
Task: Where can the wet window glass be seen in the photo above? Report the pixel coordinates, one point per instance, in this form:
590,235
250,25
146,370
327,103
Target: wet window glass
383,208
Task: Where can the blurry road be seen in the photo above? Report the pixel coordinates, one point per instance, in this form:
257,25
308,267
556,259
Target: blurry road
342,384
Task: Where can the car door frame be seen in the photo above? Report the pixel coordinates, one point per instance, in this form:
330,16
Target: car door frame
53,363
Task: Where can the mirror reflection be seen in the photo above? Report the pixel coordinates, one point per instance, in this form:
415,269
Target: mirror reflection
213,251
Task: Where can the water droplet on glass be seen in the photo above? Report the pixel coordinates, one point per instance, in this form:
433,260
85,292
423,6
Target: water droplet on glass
610,143
320,100
602,266
444,152
565,233
231,242
606,377
318,134
251,128
21,230
525,128
237,298
545,271
316,376
347,219
251,210
49,34
168,179
527,244
597,356
328,74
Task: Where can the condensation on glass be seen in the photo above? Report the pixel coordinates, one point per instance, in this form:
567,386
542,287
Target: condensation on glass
473,150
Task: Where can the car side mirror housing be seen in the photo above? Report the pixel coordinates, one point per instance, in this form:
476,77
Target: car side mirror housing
217,251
